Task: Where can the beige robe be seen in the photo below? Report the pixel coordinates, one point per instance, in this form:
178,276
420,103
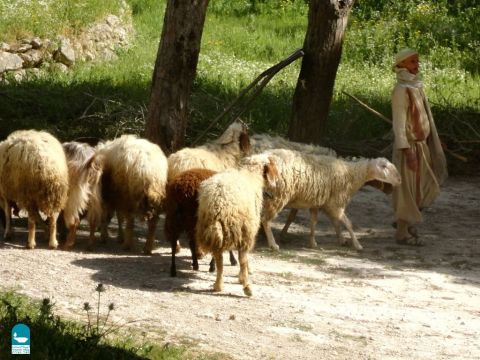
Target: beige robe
414,128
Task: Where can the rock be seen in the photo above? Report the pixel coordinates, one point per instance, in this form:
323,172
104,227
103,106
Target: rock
65,53
60,67
10,61
19,75
36,43
32,58
20,48
4,46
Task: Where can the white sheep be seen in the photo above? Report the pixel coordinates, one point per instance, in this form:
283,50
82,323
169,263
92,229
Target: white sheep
133,184
221,154
84,169
34,176
230,205
263,142
321,182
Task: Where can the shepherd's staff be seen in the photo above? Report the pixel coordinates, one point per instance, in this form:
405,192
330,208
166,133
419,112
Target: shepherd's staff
384,118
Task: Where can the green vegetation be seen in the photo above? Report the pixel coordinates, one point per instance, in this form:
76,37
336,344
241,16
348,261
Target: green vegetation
48,18
244,37
56,338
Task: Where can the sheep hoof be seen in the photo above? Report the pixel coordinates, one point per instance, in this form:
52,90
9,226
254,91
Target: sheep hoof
178,248
247,291
195,267
52,246
8,236
313,245
67,247
358,247
274,247
30,246
217,287
147,251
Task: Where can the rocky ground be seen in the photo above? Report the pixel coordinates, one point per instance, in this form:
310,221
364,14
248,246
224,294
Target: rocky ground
388,302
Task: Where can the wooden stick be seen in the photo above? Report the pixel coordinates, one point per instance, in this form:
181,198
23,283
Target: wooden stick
384,118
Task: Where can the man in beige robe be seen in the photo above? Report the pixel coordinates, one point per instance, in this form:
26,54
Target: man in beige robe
417,151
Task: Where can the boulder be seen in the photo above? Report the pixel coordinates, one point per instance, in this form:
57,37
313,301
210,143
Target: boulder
9,61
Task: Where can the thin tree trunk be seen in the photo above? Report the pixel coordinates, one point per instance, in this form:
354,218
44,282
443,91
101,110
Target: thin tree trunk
174,73
327,20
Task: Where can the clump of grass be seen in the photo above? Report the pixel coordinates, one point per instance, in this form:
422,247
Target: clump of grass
55,338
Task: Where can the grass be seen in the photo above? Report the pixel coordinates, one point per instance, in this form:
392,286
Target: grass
53,337
239,41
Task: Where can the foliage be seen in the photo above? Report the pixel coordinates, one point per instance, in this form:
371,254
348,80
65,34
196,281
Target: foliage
47,18
56,338
241,39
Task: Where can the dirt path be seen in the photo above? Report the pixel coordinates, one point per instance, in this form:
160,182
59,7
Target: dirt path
388,302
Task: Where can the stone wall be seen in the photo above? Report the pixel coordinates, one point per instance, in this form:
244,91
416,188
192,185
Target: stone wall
98,42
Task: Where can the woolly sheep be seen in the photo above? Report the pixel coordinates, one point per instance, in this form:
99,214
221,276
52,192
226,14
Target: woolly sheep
229,209
133,184
85,169
181,206
322,182
34,176
380,185
264,142
221,154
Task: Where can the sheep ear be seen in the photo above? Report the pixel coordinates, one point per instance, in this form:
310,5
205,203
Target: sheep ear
383,170
270,173
244,143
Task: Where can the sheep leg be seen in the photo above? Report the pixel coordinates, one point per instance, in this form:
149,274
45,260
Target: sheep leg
31,230
268,232
128,239
243,276
313,225
218,286
233,261
291,216
211,267
193,248
91,237
152,226
121,235
52,230
72,231
104,236
8,234
348,224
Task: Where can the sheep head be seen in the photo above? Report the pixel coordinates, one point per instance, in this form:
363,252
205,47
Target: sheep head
265,165
383,170
236,132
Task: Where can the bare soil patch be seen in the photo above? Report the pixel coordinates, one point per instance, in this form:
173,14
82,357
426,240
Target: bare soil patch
388,302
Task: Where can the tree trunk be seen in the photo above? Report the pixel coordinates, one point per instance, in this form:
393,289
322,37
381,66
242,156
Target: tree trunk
174,73
327,20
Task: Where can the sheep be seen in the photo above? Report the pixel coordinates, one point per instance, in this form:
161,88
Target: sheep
322,182
263,142
84,168
181,206
34,176
221,154
229,210
380,185
133,184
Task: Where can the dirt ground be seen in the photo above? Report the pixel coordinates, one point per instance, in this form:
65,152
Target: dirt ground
388,302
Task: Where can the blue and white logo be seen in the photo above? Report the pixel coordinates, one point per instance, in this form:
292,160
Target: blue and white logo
21,339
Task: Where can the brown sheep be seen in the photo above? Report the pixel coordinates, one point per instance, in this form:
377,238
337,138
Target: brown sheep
181,206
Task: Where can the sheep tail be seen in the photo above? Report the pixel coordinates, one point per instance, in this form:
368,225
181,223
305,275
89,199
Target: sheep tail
211,237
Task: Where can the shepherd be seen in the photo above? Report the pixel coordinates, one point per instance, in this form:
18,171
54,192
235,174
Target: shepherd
417,150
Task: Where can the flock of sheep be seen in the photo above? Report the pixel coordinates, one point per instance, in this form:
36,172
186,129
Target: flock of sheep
218,193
